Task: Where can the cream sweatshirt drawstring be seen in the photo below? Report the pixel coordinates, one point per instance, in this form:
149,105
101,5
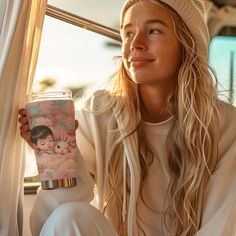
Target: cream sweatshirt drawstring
130,149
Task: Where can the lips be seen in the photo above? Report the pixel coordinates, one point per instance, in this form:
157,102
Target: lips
137,62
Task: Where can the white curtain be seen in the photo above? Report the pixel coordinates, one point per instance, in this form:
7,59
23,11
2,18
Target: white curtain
20,31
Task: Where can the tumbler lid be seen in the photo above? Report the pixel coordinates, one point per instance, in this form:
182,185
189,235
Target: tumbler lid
62,94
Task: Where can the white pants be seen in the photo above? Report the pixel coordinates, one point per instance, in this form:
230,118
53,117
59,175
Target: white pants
77,219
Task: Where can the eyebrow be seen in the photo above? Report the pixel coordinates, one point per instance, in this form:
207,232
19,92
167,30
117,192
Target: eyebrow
151,21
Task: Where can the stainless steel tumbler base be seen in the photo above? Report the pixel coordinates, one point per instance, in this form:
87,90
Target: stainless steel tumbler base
59,183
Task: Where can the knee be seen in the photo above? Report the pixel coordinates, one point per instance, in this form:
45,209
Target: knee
71,211
76,218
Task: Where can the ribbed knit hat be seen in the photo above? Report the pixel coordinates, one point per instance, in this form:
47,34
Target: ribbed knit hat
193,13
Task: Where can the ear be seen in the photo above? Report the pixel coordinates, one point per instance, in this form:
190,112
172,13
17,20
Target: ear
62,135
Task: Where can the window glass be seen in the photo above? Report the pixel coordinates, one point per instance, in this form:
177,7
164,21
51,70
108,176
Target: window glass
71,58
223,61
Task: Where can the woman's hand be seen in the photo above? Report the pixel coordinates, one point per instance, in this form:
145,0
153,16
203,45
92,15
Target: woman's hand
24,128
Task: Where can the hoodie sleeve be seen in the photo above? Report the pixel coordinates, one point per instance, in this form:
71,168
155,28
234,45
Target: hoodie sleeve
219,212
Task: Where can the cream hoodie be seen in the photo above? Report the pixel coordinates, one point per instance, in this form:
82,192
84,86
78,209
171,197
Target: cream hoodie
94,139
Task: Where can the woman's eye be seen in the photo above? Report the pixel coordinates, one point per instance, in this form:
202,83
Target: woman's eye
129,34
154,31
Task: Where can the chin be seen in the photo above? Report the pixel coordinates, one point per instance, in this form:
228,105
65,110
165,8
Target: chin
140,79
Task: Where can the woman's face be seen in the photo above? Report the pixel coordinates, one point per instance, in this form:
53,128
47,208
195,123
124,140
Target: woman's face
150,50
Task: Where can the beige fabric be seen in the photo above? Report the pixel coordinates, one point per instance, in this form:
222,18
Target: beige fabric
20,24
95,132
95,137
77,219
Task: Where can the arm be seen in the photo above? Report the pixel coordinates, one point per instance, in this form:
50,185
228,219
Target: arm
219,214
219,211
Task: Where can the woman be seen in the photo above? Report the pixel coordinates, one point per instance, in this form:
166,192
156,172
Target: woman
159,145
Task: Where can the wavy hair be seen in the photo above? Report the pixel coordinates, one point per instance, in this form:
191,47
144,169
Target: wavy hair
191,143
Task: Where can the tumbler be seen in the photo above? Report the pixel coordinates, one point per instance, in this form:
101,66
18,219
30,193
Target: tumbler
51,118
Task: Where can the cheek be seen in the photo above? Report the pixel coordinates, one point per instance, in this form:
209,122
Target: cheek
177,57
172,54
125,55
125,50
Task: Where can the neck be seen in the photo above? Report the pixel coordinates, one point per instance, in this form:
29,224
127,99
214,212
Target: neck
155,103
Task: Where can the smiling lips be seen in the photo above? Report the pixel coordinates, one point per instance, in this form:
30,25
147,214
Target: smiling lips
137,62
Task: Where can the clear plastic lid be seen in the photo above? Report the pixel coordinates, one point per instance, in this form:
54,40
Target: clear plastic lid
53,95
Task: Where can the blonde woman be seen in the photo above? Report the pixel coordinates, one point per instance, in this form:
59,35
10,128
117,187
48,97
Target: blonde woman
160,146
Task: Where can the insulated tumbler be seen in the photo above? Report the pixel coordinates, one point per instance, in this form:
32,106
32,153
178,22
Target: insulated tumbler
51,118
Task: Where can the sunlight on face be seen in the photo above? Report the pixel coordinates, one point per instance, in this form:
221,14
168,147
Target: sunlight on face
151,51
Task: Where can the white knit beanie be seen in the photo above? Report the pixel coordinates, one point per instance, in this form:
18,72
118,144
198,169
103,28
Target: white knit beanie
193,13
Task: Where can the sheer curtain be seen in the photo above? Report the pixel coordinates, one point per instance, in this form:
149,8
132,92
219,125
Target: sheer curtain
20,31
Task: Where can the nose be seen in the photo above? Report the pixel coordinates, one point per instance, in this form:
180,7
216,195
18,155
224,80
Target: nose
138,42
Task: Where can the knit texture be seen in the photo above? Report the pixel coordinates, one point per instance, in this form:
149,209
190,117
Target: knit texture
193,13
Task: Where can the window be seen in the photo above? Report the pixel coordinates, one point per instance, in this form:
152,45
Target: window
72,58
222,59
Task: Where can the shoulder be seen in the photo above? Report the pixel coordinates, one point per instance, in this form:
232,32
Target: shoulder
98,100
227,107
227,138
97,108
227,116
101,102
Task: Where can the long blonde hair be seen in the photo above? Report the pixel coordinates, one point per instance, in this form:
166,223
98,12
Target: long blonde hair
191,143
193,140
